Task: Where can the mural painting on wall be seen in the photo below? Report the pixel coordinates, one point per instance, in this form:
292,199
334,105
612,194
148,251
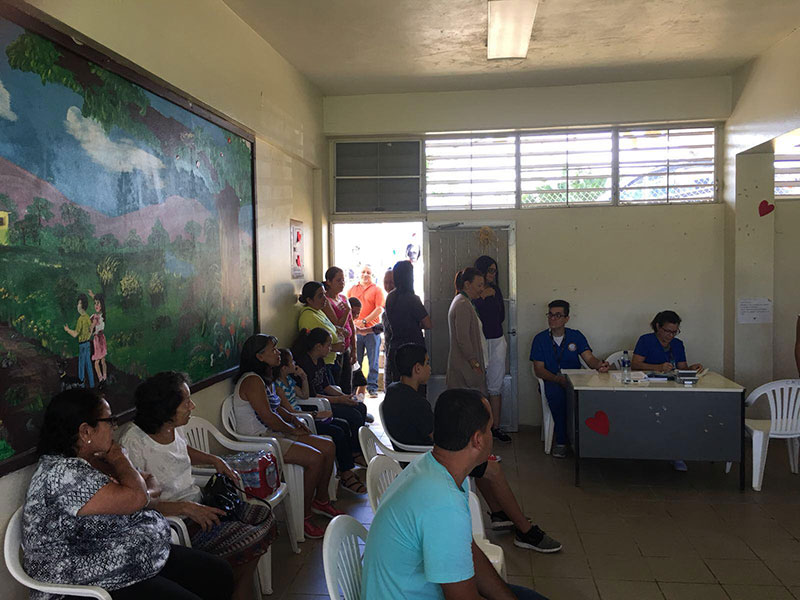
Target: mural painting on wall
126,236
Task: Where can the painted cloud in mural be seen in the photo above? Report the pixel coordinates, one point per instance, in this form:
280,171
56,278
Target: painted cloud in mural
5,104
121,156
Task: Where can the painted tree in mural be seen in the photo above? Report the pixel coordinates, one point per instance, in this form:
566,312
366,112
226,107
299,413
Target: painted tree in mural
115,102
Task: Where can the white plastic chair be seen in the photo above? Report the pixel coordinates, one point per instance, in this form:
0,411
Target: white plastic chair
615,359
548,424
784,422
12,550
371,446
342,557
293,474
198,433
405,447
381,472
493,552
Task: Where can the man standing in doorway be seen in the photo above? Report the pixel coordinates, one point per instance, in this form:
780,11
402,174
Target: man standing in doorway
371,298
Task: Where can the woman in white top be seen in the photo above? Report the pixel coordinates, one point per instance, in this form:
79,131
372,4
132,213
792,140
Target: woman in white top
258,412
156,444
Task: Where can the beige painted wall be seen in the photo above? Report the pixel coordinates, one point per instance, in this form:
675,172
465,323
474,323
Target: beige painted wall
617,267
559,106
787,287
203,48
765,105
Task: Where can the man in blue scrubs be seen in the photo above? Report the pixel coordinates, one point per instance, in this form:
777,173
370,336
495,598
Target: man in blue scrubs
552,350
420,543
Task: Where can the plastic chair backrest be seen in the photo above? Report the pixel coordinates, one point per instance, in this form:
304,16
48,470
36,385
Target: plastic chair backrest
342,556
401,446
615,360
545,406
381,472
228,416
370,444
478,529
12,548
784,406
196,431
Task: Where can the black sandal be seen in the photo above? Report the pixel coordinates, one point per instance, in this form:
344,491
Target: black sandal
353,484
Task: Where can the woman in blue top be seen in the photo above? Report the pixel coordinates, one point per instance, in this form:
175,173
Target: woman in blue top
661,350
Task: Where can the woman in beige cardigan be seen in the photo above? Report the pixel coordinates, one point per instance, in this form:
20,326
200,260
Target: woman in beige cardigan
465,365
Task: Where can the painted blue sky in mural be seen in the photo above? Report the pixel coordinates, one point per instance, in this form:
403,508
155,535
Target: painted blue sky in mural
35,120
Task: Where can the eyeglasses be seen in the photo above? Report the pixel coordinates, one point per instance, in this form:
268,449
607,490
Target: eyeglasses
671,331
114,421
550,315
491,270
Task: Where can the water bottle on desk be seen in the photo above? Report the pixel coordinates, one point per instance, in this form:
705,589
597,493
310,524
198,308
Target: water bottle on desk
626,367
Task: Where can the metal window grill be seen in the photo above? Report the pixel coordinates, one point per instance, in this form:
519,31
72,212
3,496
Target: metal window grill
666,166
787,175
566,168
466,173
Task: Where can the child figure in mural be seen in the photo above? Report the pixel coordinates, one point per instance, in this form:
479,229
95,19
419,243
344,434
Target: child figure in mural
99,347
83,333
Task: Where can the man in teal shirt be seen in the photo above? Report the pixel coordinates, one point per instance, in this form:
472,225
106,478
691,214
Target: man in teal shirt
420,543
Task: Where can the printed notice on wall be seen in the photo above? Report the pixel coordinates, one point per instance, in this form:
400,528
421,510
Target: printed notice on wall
755,310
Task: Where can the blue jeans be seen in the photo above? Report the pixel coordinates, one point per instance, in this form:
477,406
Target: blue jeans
523,593
85,363
557,401
370,342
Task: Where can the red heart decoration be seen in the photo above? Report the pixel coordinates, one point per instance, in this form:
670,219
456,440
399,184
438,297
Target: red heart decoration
598,423
299,236
764,208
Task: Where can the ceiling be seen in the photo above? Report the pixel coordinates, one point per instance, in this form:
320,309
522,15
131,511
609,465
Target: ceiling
386,46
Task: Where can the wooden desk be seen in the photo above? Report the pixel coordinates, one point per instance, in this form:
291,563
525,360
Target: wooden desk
655,420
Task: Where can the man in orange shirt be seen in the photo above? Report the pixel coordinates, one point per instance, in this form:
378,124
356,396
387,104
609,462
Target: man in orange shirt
371,298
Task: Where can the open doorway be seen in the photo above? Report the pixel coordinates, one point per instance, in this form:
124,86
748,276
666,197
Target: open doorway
379,245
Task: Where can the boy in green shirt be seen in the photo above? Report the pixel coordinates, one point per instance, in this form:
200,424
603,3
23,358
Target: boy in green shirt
83,333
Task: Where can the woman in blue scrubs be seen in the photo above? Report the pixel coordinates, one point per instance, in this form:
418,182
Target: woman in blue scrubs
661,350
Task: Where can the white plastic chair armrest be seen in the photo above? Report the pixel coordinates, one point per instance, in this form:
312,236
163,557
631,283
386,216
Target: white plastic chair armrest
410,448
317,403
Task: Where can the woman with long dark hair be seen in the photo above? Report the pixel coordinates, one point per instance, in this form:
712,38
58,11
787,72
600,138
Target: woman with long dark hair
87,520
309,350
492,312
338,311
406,314
465,362
257,409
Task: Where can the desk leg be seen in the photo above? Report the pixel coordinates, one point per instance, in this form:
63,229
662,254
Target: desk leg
741,444
577,448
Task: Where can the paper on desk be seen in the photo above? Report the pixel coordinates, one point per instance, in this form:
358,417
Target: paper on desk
635,376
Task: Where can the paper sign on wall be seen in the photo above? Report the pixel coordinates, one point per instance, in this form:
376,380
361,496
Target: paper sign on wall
755,310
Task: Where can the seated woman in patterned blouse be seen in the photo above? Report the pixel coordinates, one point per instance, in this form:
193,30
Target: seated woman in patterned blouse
156,444
86,520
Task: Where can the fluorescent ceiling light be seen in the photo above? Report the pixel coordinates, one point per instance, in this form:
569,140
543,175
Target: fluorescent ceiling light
510,27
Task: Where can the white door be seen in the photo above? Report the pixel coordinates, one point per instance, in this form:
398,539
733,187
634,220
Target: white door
450,248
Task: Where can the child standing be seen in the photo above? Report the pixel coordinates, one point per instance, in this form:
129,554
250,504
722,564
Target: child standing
83,333
99,347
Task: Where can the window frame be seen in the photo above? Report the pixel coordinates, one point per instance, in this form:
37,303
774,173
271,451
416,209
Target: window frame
717,126
377,140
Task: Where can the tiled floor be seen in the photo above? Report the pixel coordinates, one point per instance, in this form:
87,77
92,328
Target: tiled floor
633,530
